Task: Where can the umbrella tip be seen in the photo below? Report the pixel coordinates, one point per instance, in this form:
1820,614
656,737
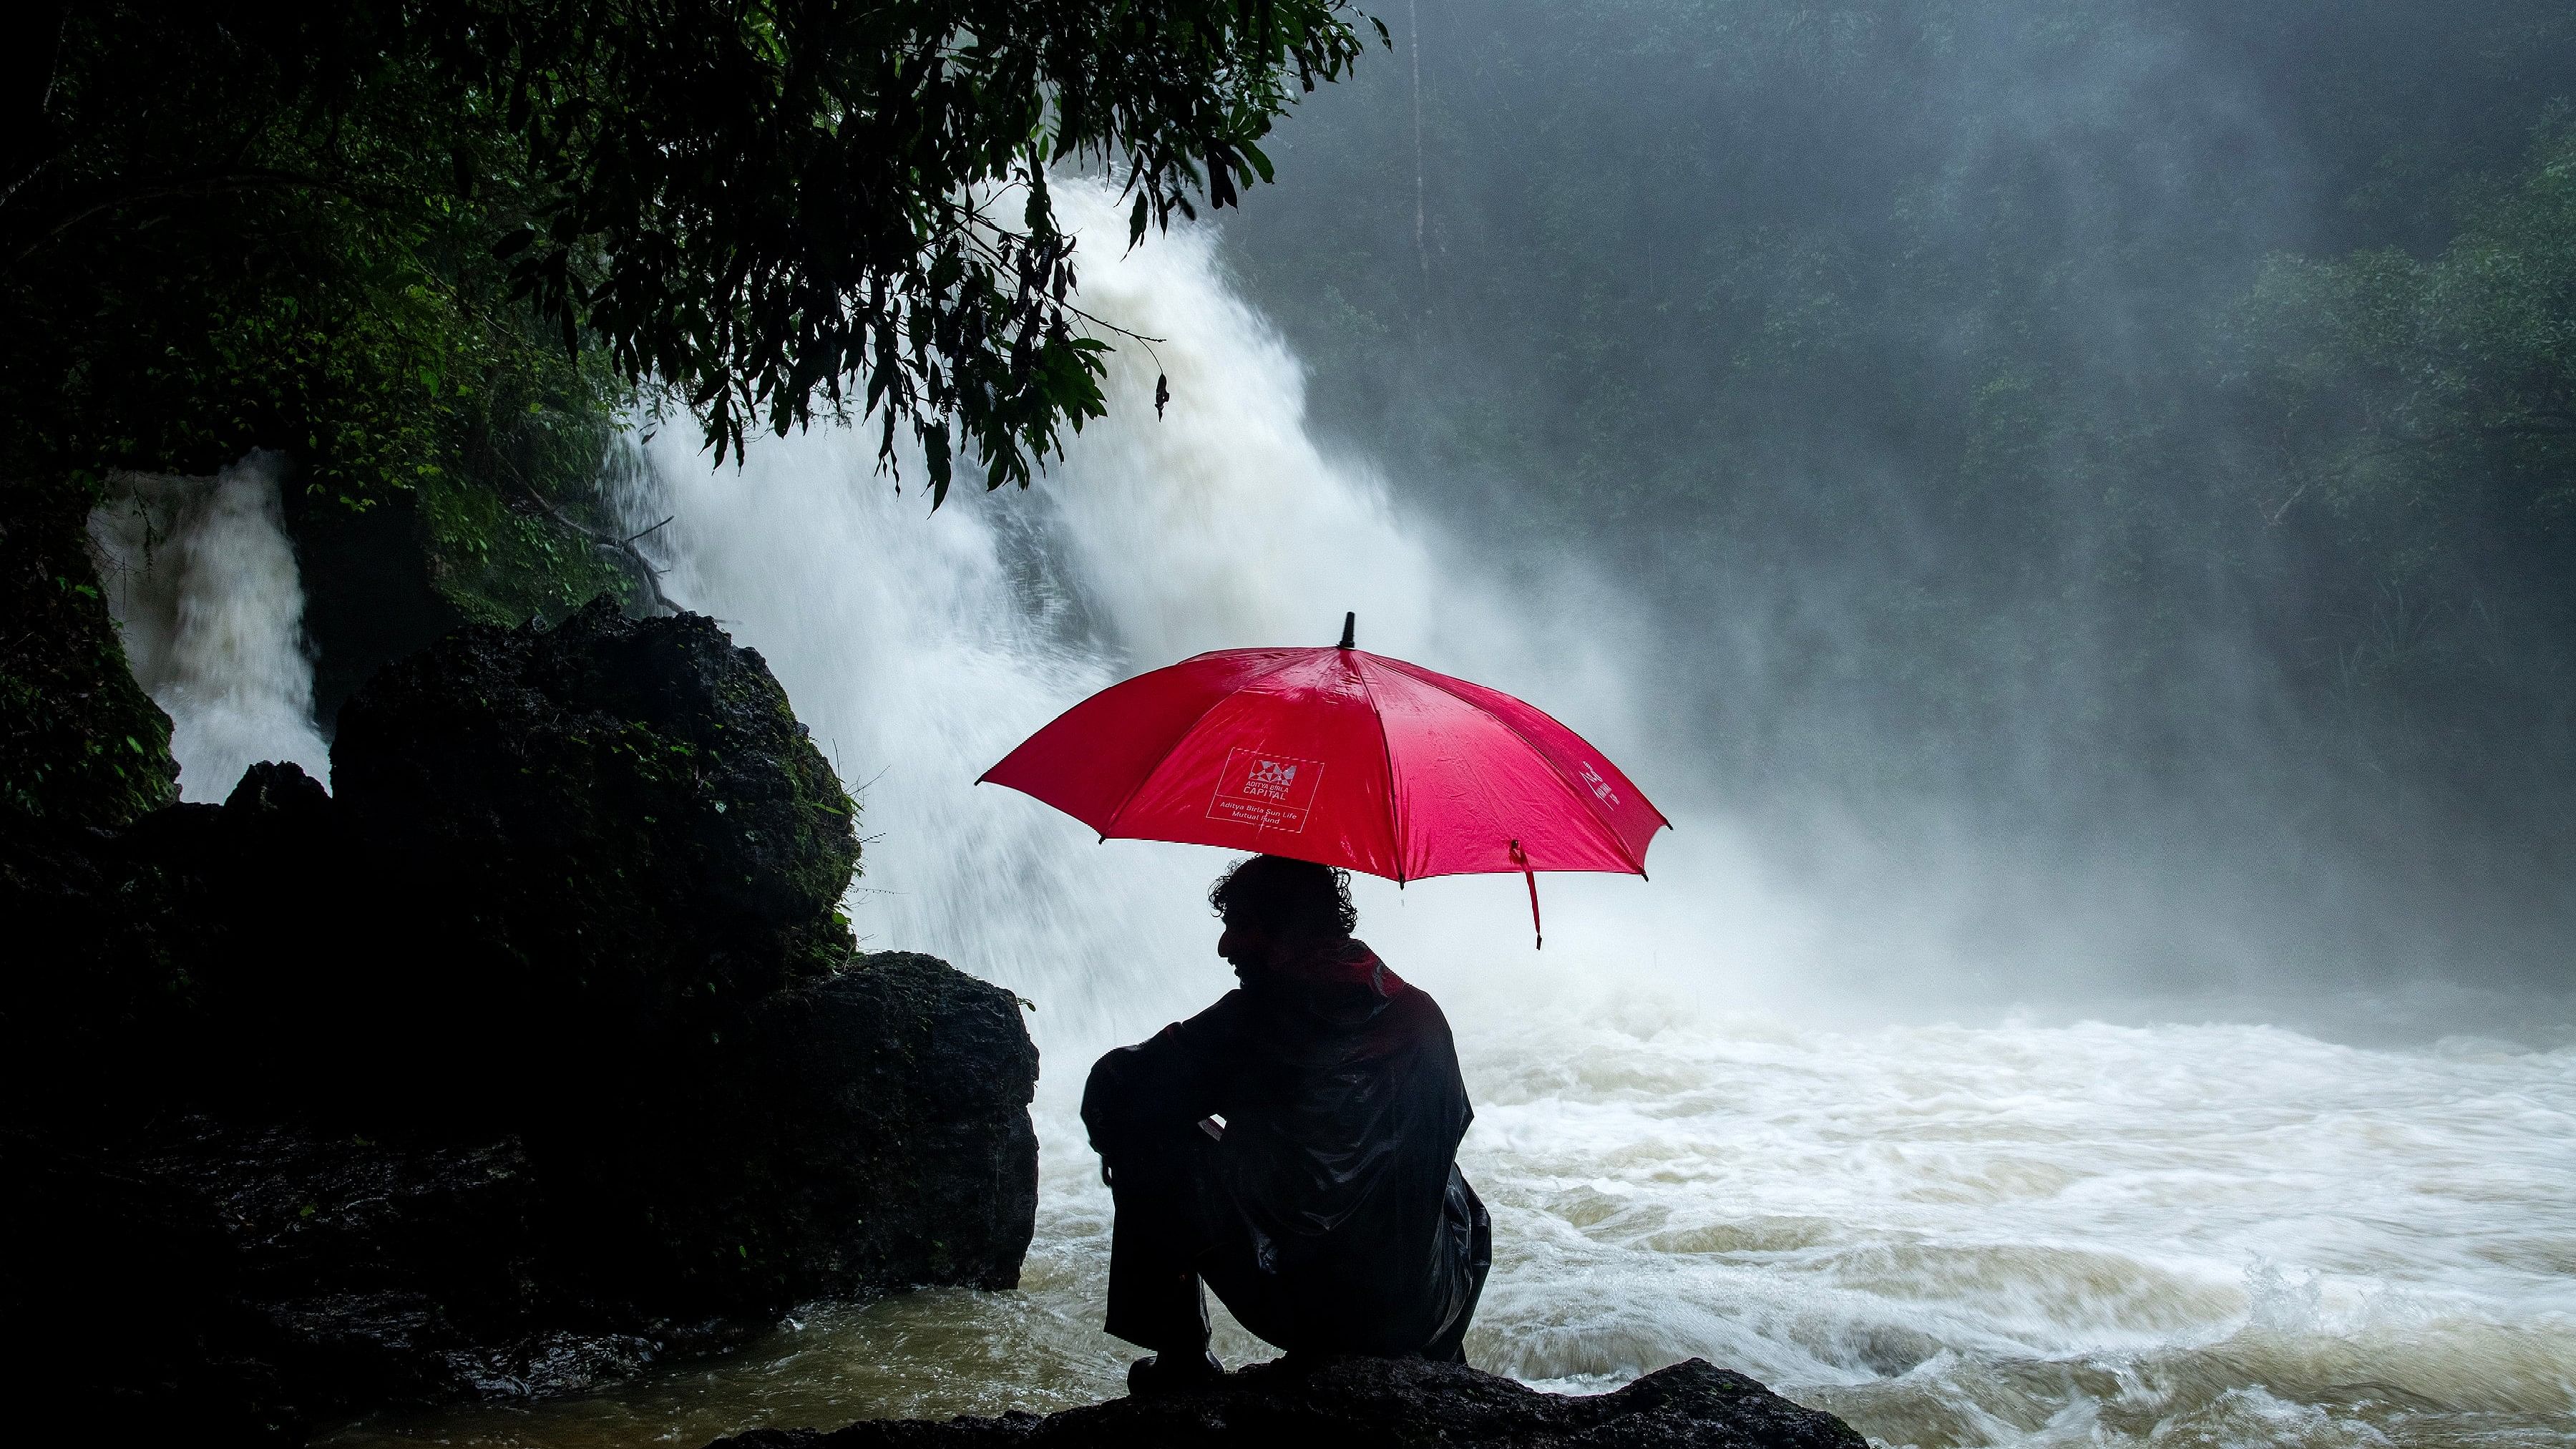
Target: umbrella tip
1350,629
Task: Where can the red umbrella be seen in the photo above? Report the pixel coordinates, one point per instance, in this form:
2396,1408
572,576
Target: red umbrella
1341,757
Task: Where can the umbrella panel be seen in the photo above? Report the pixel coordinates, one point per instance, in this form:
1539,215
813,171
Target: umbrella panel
1341,757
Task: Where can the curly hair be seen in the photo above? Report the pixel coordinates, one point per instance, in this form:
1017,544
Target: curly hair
1295,900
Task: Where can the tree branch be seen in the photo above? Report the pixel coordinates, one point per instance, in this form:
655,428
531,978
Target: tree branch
624,547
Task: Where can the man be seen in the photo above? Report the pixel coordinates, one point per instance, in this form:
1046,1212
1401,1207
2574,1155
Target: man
1293,1146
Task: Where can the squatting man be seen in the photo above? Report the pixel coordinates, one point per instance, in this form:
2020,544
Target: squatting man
1293,1147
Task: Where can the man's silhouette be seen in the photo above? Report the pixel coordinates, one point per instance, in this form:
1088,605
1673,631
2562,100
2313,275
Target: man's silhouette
1292,1146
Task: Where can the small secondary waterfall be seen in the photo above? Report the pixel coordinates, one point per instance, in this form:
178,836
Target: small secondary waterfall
203,582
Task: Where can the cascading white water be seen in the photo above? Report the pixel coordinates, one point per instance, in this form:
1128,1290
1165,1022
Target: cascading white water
2001,1234
203,584
921,646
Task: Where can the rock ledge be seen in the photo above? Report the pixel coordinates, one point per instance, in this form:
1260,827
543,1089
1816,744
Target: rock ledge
1360,1403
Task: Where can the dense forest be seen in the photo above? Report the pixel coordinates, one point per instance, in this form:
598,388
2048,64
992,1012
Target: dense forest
2116,425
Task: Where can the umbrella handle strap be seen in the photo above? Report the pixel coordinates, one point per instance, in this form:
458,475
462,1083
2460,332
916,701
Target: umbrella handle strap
1521,859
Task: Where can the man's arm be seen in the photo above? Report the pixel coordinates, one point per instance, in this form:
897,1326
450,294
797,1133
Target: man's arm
1171,1079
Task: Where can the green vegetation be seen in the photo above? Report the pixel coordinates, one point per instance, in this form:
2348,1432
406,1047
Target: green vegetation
2425,412
500,564
419,241
232,227
80,743
439,252
2433,391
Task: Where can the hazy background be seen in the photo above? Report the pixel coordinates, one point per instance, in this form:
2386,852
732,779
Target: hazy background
2096,474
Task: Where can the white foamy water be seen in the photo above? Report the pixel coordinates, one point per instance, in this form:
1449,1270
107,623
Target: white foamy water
2183,1235
2223,1234
202,581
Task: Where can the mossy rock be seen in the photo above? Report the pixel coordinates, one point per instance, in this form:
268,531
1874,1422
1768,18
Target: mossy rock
81,744
617,828
540,1048
500,560
387,577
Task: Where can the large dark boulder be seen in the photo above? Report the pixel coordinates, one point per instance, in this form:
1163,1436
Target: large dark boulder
1361,1403
193,957
896,1144
261,1278
625,859
863,1132
613,835
539,1051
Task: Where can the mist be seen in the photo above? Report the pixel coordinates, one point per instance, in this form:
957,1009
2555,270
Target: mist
1877,384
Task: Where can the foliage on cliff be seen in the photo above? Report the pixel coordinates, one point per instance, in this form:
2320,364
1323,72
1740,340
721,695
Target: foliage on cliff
2441,389
80,742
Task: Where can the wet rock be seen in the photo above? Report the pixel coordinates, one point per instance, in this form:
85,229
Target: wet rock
860,1133
613,837
898,1148
198,959
539,1051
81,744
628,858
254,1282
258,1279
370,590
1358,1403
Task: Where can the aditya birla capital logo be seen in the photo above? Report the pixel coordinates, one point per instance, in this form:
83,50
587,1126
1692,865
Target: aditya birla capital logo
1265,790
1271,778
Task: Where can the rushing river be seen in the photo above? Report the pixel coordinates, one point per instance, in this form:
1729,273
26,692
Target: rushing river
2215,1235
2012,1232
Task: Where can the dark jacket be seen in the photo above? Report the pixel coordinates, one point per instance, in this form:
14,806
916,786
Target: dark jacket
1342,1104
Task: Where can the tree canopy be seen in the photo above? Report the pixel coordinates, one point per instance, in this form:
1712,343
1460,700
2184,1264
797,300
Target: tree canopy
402,240
2413,381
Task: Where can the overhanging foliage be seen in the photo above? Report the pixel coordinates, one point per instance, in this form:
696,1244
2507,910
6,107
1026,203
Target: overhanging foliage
342,229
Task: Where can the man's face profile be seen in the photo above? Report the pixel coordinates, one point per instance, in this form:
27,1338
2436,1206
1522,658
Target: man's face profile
1244,945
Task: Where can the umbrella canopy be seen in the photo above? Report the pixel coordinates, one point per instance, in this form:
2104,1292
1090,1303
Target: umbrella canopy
1337,756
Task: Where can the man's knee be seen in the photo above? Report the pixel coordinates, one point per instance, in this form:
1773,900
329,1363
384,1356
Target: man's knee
1108,1098
1125,1097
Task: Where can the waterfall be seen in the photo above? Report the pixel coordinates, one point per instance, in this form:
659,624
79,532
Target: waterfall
921,645
203,584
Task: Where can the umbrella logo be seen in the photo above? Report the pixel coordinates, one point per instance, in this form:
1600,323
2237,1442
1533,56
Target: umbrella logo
1600,788
1265,791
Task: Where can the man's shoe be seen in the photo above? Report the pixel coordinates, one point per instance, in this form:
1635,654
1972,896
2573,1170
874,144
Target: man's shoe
1173,1373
